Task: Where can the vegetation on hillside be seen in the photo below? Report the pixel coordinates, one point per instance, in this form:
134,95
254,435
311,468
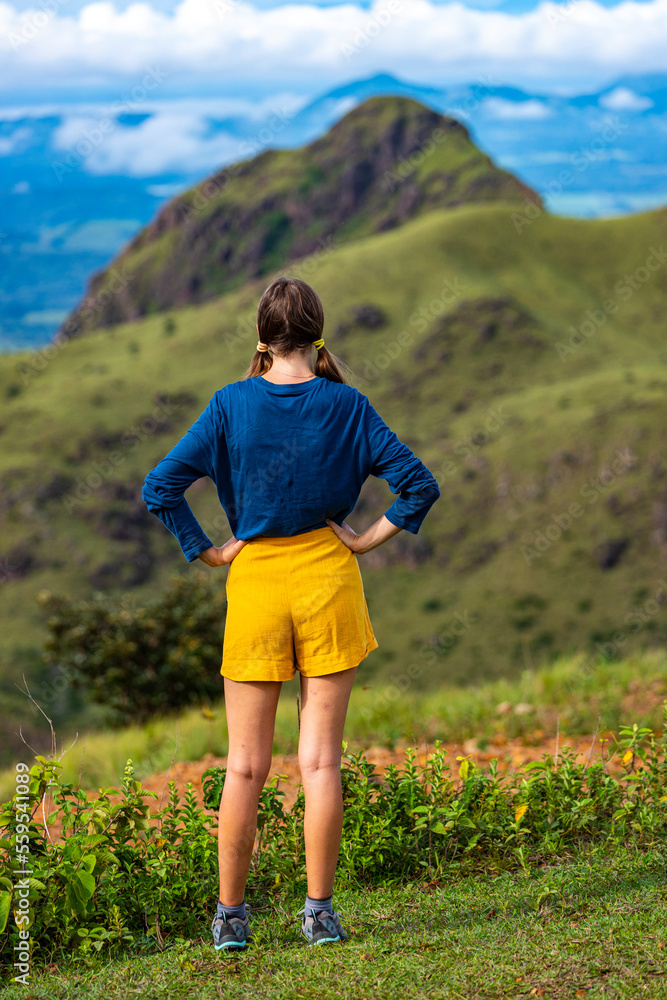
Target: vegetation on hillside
571,697
551,532
388,160
521,356
139,662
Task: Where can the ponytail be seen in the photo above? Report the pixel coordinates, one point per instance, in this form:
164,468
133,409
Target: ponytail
260,364
290,317
329,366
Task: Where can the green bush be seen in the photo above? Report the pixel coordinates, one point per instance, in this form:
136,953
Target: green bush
121,877
141,661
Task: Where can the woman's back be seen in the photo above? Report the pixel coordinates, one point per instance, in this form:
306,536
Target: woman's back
286,457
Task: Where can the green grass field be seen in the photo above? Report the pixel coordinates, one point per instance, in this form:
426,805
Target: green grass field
587,926
579,921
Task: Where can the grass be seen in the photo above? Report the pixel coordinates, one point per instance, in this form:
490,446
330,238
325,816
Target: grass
592,925
575,694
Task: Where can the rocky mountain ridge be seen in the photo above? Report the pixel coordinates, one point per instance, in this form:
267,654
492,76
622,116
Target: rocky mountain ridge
387,161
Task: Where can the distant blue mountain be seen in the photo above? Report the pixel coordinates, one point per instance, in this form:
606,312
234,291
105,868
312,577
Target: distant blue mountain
651,86
64,215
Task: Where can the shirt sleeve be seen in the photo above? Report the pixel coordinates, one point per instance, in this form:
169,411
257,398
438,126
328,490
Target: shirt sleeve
405,473
192,458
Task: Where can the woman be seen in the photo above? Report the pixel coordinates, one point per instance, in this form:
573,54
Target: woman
289,448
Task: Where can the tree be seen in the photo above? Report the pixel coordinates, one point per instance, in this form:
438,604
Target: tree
141,661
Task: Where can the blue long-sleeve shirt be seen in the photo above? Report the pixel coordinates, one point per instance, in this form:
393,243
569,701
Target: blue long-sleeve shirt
283,459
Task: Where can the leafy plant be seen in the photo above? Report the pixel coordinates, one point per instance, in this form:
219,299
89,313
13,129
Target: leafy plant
119,877
141,661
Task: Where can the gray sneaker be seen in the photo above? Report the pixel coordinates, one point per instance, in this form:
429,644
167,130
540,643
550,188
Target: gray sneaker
324,928
232,933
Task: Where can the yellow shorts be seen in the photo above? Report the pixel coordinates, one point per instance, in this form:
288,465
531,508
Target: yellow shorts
295,603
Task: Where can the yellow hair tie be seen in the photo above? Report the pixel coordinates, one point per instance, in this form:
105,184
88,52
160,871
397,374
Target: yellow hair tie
262,347
318,343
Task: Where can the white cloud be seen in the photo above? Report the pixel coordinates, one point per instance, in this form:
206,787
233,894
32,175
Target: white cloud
498,107
10,143
44,316
49,239
340,106
168,141
98,235
232,44
547,158
164,190
592,204
212,107
623,99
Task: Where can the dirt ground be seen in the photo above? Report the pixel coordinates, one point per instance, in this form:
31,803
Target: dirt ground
511,755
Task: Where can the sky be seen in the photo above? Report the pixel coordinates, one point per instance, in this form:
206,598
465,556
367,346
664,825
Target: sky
109,108
55,50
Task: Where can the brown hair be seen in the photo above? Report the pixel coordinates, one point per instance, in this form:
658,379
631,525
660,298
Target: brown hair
289,318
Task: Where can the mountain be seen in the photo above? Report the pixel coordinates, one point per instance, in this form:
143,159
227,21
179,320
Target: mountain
319,114
387,161
519,354
64,216
509,350
470,100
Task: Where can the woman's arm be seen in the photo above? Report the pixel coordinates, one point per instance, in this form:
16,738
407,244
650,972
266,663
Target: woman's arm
390,459
368,539
190,459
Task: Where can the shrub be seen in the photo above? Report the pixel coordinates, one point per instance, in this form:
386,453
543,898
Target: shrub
138,662
119,876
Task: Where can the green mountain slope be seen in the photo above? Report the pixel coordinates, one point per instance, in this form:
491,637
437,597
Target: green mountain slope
525,365
387,161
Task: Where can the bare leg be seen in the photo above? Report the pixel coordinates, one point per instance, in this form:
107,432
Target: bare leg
251,714
323,711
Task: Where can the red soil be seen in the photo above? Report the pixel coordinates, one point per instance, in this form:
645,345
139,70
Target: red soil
511,755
